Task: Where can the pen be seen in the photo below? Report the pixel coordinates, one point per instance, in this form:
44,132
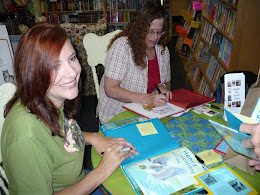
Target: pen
213,106
122,150
199,159
202,163
157,88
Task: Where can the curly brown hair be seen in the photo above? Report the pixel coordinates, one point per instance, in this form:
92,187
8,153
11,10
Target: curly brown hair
137,29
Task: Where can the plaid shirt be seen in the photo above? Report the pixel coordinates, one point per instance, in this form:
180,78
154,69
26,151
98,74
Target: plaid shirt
119,65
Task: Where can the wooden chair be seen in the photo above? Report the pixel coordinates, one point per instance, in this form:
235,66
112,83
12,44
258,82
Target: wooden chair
7,91
96,48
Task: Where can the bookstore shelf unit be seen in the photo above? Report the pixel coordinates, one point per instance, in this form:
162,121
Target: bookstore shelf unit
228,41
117,12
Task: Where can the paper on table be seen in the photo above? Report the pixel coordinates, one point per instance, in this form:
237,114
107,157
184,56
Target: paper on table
146,129
209,157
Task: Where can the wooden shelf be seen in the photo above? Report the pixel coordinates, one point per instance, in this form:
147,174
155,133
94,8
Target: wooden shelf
193,86
230,4
245,47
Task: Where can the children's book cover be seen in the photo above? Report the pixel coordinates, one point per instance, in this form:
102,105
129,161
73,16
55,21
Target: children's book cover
165,173
234,139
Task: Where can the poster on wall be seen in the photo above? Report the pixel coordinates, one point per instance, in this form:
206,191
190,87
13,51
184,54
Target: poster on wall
6,58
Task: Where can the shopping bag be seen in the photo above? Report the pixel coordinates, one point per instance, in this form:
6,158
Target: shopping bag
239,161
251,98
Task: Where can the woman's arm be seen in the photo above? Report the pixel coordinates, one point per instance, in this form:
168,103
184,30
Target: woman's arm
113,90
110,161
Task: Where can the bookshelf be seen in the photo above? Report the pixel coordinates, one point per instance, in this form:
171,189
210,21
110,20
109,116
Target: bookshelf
228,41
117,12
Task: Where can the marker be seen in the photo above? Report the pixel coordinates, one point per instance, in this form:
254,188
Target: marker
211,105
157,88
125,149
122,150
199,159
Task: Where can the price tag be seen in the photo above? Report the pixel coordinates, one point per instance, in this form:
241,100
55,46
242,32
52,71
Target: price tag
187,41
189,19
194,24
197,5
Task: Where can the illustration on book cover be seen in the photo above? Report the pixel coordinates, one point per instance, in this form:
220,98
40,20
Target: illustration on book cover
165,173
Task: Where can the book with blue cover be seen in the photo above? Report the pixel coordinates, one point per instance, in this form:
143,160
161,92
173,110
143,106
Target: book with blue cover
150,138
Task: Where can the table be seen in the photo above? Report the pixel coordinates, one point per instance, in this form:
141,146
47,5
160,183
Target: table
117,183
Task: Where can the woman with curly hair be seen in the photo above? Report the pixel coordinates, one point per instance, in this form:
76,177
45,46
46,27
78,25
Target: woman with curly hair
136,61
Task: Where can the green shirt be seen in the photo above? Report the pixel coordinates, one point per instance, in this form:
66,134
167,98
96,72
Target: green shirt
35,161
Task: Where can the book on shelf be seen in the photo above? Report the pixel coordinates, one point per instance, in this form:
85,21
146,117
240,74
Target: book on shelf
225,50
162,166
195,71
223,16
214,71
182,100
188,62
195,39
216,38
203,53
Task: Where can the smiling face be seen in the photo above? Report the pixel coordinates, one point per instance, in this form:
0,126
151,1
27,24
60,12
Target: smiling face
66,76
154,33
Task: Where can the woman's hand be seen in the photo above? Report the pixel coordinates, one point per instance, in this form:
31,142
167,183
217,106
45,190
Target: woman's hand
164,91
253,142
101,143
112,158
154,99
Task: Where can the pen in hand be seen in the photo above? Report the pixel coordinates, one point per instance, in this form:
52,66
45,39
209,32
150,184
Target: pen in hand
157,88
122,150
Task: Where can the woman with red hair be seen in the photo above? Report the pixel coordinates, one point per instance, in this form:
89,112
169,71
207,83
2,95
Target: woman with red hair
42,144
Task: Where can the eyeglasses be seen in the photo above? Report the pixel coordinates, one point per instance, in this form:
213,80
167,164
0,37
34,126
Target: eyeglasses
158,33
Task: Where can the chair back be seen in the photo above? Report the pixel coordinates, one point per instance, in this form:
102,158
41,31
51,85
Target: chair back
7,91
96,48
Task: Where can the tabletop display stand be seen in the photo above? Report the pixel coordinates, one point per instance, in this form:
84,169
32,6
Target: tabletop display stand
227,41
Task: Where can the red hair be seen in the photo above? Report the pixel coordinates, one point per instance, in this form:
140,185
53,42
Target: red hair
34,63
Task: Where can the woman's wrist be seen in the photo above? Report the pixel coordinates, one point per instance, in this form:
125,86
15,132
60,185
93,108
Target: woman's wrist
163,84
91,138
